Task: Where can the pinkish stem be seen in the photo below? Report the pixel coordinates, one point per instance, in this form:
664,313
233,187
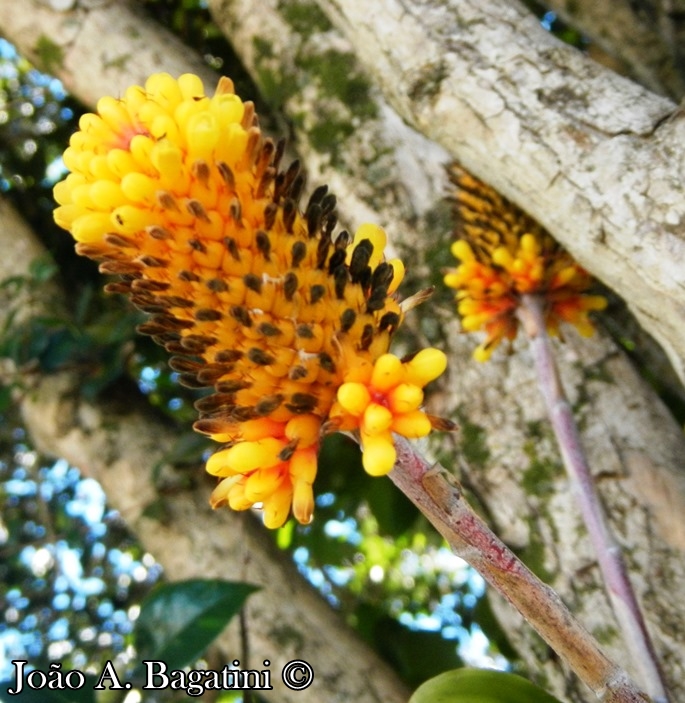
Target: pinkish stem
439,497
613,569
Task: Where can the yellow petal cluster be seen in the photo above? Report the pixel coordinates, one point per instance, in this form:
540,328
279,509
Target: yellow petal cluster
503,255
386,397
182,197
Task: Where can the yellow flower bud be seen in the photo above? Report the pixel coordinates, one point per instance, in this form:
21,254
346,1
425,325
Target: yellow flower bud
303,465
377,419
202,135
303,502
376,235
354,397
387,373
426,366
405,398
92,227
277,507
502,257
462,251
483,353
412,425
219,495
304,428
191,86
260,428
398,274
248,456
139,188
236,496
262,483
378,454
530,244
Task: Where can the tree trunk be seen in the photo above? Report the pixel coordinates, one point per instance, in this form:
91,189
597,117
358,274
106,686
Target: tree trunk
569,161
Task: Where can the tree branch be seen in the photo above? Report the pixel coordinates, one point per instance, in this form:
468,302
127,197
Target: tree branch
637,34
441,499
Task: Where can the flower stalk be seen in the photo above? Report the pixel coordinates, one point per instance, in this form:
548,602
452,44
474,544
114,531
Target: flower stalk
620,591
439,497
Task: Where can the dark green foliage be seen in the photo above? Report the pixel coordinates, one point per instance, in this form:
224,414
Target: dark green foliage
179,620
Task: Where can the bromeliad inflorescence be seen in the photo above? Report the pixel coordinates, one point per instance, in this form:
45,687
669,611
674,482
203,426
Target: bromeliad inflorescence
505,254
182,196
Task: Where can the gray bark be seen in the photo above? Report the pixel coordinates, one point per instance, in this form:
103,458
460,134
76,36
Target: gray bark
643,38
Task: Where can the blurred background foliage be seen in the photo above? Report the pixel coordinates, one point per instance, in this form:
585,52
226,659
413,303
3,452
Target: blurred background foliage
71,576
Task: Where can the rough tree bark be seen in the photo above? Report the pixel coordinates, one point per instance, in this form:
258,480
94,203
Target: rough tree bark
502,110
644,37
118,440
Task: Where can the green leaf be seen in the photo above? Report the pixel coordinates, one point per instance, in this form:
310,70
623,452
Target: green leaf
85,694
480,686
393,510
179,620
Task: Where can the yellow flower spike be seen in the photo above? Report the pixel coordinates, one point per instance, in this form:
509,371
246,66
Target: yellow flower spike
504,254
180,194
388,372
378,454
377,419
